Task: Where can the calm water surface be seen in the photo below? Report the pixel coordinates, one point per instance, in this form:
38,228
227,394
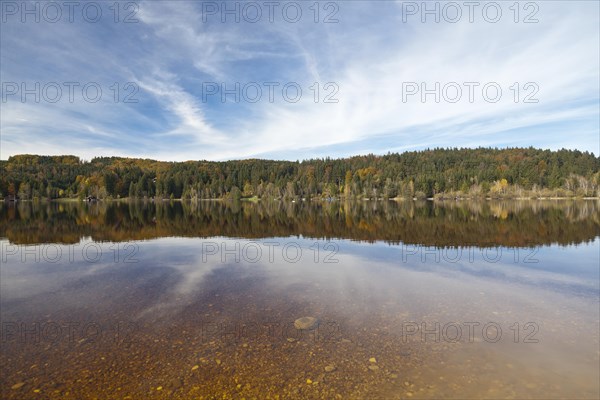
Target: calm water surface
412,300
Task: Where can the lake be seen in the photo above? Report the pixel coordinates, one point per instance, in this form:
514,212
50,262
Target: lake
423,300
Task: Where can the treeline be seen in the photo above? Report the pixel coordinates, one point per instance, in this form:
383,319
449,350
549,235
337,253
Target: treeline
481,172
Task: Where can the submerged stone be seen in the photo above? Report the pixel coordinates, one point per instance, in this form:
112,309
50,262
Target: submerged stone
305,323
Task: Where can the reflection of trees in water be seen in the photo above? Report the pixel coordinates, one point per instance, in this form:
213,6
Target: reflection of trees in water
452,223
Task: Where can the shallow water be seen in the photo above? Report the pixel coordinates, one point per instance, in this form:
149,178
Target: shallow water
414,300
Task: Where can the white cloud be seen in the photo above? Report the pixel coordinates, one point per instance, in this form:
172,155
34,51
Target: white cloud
368,54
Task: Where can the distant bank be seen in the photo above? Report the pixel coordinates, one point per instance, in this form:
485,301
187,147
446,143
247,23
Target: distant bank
516,173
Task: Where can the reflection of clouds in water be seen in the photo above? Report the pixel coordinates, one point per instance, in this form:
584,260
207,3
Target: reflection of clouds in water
173,273
190,280
36,276
570,269
353,277
378,275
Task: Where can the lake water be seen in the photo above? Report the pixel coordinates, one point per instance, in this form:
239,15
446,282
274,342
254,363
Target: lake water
412,300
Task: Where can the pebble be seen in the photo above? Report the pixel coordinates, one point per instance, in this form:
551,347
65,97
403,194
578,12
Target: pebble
305,323
17,385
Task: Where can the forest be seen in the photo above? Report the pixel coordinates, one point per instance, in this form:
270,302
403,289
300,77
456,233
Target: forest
437,173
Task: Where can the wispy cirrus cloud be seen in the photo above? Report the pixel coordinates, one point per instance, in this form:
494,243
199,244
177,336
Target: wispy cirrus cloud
369,56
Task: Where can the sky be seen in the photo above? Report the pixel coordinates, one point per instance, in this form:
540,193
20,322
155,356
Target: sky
192,80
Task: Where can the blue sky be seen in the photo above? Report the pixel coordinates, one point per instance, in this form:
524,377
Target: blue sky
173,55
